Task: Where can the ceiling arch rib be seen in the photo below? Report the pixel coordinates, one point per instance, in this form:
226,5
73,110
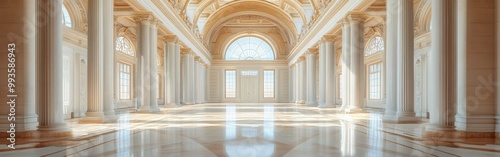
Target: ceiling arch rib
207,8
237,7
287,34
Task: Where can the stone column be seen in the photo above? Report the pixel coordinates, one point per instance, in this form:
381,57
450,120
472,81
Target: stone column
405,70
292,83
197,78
311,77
153,67
108,34
297,81
49,60
100,69
322,78
192,76
441,67
170,69
497,117
346,63
187,77
330,69
391,59
302,80
22,35
143,56
177,74
357,73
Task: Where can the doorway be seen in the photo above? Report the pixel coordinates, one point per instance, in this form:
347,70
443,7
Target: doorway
249,87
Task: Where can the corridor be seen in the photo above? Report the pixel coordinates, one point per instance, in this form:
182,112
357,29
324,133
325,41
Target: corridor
241,130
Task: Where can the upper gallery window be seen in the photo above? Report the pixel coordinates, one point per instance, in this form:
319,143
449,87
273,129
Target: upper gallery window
249,48
66,20
374,45
123,45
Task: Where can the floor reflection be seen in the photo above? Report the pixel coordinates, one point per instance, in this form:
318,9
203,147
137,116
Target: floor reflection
245,130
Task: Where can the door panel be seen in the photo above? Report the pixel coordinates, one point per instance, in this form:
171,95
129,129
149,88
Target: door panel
250,89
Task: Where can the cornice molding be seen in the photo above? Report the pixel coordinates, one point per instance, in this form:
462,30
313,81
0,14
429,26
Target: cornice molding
326,22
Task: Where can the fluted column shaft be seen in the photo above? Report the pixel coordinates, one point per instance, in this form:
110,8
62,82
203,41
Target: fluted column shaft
292,84
391,59
322,76
108,60
296,82
405,70
100,63
302,81
23,23
197,81
153,65
188,79
330,69
170,71
311,78
192,76
177,73
442,91
357,73
49,66
346,63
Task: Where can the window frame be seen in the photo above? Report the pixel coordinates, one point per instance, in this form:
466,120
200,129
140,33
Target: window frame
376,40
120,92
379,79
264,83
234,83
271,53
131,46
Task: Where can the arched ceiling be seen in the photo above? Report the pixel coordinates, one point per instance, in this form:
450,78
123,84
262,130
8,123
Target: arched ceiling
220,20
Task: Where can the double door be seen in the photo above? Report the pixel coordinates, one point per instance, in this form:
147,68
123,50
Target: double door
249,89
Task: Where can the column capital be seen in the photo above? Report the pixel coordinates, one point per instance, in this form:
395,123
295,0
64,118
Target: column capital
301,59
312,51
143,16
171,39
328,38
198,59
343,22
356,17
185,51
155,21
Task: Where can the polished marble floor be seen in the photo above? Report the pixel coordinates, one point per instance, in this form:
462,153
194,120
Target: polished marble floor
247,130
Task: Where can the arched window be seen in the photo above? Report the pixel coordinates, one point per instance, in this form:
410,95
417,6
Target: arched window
374,45
66,20
123,45
249,48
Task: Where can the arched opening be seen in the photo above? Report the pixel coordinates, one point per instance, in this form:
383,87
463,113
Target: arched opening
66,20
249,48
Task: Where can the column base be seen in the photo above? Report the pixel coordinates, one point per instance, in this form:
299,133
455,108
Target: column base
148,109
327,105
23,122
168,105
300,102
188,103
438,128
98,117
58,130
312,103
475,123
354,109
401,119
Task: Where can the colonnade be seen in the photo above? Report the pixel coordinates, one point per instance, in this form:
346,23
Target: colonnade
40,63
